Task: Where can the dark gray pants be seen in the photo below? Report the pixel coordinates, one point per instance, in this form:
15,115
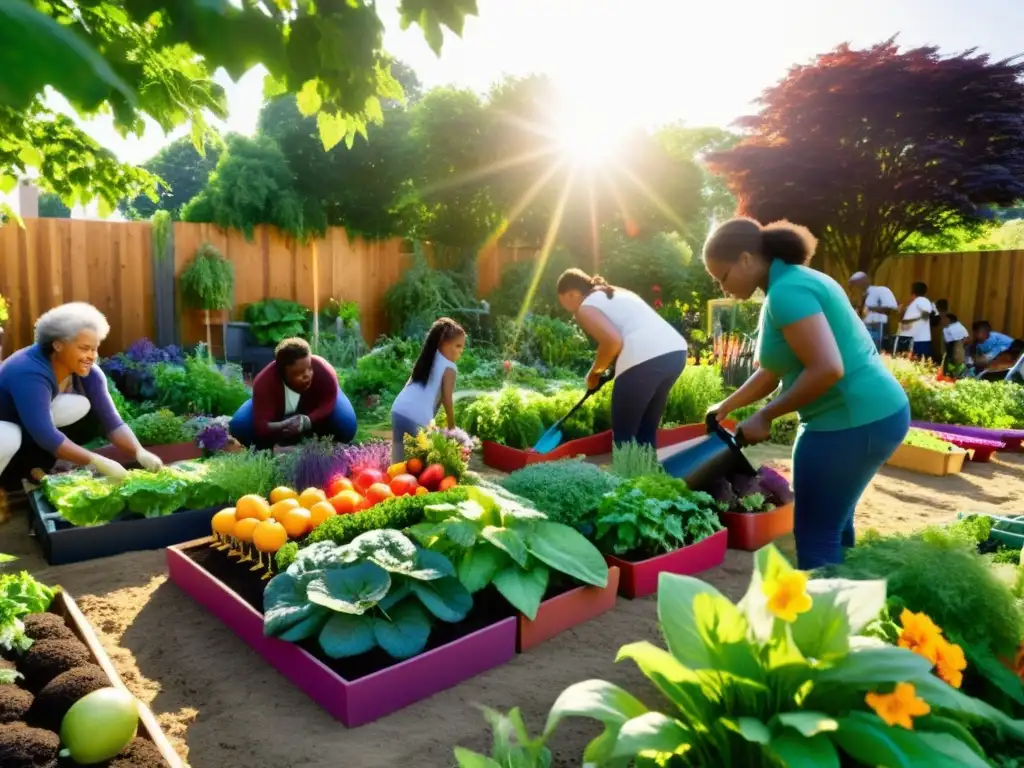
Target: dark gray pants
640,397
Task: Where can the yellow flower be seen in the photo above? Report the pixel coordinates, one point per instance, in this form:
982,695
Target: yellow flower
422,442
920,635
787,595
898,707
950,663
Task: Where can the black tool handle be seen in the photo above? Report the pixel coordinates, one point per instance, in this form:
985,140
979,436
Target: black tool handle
713,425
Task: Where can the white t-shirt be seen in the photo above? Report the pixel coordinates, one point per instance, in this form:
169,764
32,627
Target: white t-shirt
291,400
645,334
920,329
878,297
955,332
419,402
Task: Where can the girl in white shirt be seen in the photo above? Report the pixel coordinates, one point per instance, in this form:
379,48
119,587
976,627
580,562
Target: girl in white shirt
432,383
648,353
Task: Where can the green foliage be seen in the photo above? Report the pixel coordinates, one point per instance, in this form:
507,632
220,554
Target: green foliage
3,311
377,591
20,595
512,745
163,231
184,172
421,296
160,428
237,474
697,389
208,280
631,460
505,417
663,259
545,341
273,320
494,540
383,372
342,352
252,185
449,448
567,491
517,279
200,387
922,438
51,207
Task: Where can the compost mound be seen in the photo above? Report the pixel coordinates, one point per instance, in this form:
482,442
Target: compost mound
57,696
47,626
25,747
49,658
15,703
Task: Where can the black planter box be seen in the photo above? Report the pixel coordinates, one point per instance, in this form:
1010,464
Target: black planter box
64,543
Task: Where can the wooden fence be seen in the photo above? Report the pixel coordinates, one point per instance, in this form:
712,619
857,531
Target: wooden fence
112,265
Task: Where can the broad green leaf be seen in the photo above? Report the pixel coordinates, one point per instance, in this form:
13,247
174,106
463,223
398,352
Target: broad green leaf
332,128
932,723
285,604
796,751
400,589
429,565
958,752
935,750
471,511
509,542
808,723
30,157
446,598
568,551
692,693
940,695
753,730
469,759
873,666
273,87
308,99
461,532
7,183
598,700
479,565
386,547
104,208
346,635
769,564
438,513
405,631
840,608
651,732
868,741
353,589
306,628
862,601
524,589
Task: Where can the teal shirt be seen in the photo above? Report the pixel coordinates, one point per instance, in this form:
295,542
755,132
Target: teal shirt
867,392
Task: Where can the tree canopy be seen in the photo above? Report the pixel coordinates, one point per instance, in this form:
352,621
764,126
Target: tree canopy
866,147
183,172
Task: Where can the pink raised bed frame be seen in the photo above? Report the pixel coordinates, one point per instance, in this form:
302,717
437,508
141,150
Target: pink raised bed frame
168,453
355,702
1014,438
978,448
640,579
566,611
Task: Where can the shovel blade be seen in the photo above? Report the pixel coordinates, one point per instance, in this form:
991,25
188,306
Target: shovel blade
549,441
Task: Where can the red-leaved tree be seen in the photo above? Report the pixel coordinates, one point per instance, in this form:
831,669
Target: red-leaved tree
865,147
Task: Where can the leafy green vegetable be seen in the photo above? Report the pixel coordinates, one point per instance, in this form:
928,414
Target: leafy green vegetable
567,491
82,498
631,460
20,595
160,428
922,438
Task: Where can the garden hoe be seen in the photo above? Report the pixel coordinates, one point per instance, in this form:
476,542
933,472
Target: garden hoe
553,437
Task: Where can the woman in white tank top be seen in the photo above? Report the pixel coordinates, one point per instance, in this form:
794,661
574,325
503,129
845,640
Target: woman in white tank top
648,353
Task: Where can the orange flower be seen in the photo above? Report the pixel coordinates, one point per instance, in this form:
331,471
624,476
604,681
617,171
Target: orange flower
787,595
950,663
920,635
898,707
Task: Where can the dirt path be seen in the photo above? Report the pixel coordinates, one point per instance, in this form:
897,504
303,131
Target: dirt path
225,708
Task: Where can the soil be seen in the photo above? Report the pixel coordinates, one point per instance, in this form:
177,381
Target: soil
224,707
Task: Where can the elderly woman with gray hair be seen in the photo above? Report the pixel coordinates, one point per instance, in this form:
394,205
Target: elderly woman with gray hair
53,384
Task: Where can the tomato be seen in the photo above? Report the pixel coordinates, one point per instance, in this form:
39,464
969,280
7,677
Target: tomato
346,502
337,484
403,485
448,483
368,477
396,469
421,491
432,476
414,467
378,492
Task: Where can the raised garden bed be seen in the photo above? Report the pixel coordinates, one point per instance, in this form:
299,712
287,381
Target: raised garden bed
357,690
927,461
752,530
640,578
565,611
1013,438
64,606
169,453
978,449
64,543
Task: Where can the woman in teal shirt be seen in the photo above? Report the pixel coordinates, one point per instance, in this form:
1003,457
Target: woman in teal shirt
853,412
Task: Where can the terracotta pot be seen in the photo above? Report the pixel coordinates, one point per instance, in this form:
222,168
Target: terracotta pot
752,530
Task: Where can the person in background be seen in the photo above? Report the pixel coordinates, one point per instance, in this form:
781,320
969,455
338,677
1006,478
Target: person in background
853,412
54,386
295,396
915,334
432,384
647,352
935,323
877,304
953,335
989,345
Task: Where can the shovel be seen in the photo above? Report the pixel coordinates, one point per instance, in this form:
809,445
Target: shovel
553,437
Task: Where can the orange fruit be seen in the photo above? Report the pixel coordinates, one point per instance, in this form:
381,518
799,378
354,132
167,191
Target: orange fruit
296,522
311,496
378,492
346,502
414,466
279,508
245,527
421,491
224,522
252,506
396,469
281,493
447,484
320,512
337,484
269,536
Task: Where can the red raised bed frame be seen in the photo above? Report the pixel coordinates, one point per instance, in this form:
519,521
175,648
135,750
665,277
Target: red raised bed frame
354,702
168,453
566,611
752,530
640,579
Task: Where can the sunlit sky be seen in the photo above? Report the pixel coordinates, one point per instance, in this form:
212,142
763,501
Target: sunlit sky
660,60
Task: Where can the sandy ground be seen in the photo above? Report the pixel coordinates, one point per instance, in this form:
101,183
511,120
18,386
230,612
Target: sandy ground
223,707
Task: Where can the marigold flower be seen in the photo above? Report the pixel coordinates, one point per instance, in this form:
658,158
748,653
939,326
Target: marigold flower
787,595
920,635
898,707
950,662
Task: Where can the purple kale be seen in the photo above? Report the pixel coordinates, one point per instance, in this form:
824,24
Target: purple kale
774,486
723,492
212,438
145,352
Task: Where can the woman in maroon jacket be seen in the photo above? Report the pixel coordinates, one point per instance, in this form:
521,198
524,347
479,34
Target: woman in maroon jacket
295,396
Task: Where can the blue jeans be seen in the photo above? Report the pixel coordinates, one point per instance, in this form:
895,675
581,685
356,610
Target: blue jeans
830,472
339,424
400,427
877,333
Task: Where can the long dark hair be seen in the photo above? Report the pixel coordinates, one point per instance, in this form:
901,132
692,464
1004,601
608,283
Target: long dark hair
780,240
578,280
441,331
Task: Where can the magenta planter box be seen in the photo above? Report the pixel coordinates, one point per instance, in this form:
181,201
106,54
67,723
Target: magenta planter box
1014,438
640,579
355,702
979,449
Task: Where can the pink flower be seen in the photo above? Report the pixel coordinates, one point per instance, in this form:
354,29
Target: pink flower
658,304
656,288
508,366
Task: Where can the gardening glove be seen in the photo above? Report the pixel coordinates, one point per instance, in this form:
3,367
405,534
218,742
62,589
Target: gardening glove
148,460
305,423
108,467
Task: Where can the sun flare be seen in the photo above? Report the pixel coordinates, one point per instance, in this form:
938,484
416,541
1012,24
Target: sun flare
587,132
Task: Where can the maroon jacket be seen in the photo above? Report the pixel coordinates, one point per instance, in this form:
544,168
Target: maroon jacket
317,402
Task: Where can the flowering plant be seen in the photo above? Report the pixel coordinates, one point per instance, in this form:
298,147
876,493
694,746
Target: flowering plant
451,448
213,438
784,678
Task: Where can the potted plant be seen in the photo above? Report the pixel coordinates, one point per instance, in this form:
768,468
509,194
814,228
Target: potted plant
208,283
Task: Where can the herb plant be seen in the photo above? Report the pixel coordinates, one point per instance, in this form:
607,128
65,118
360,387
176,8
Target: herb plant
273,320
379,590
208,281
631,460
200,387
237,474
568,491
505,417
511,746
160,428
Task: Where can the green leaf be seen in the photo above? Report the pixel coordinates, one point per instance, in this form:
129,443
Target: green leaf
693,693
405,631
469,759
354,589
479,565
651,732
285,604
7,183
840,608
940,695
873,666
308,99
401,588
345,635
439,513
937,724
9,676
960,754
753,730
332,128
798,752
598,700
446,598
30,157
273,87
567,550
508,541
868,741
809,724
461,532
524,589
387,548
306,628
430,565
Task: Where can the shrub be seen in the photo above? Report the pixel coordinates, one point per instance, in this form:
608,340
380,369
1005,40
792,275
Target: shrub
208,281
200,387
548,341
567,491
160,428
699,387
420,297
506,417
